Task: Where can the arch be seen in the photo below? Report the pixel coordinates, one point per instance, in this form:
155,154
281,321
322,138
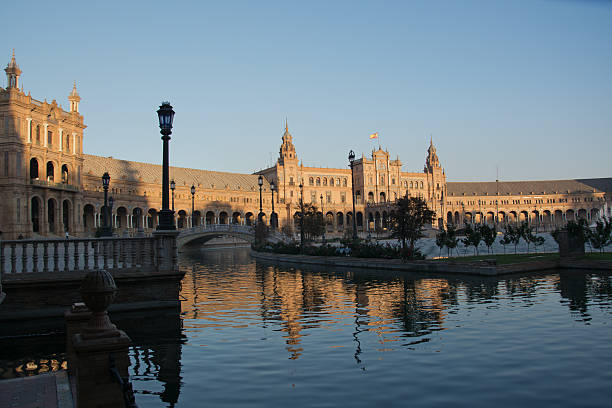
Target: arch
449,217
411,185
382,197
152,218
318,182
338,181
181,221
66,215
344,182
370,197
490,219
457,220
51,210
501,217
249,218
311,181
137,218
122,217
547,218
197,218
50,171
468,218
558,217
523,216
349,219
370,221
35,214
359,219
34,168
223,217
324,181
570,215
236,218
582,213
89,218
210,218
340,220
594,214
513,216
329,218
65,175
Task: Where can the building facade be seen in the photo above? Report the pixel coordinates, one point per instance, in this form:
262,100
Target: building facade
50,186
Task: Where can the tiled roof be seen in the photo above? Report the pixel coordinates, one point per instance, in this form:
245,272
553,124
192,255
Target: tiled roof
152,173
530,187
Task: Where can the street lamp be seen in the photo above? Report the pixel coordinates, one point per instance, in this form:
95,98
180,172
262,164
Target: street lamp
166,215
273,219
172,187
323,218
351,158
301,216
260,182
105,215
192,205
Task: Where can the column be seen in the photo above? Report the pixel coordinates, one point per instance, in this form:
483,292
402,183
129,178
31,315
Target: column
29,129
61,137
45,136
73,143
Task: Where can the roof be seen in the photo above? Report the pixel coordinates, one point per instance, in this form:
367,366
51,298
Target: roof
152,173
530,187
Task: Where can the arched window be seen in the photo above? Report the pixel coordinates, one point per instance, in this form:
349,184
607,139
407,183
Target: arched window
65,174
33,168
311,181
338,182
324,181
50,172
344,182
411,185
421,184
37,134
318,181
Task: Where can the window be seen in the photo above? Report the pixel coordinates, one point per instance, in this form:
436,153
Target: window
382,180
37,134
338,182
318,181
344,182
343,198
393,180
324,181
311,181
49,138
421,184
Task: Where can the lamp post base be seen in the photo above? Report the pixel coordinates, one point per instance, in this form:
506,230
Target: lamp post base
166,220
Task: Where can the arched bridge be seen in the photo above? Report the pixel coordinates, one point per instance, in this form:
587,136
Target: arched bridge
204,233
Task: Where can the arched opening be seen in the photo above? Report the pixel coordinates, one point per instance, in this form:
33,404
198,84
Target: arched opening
501,217
248,217
370,197
152,218
340,220
594,214
236,218
50,171
66,215
457,220
523,216
449,217
490,218
467,217
223,217
33,169
197,217
383,197
570,215
51,207
210,218
65,178
370,221
359,219
88,218
546,218
35,215
137,220
582,214
122,218
329,220
181,222
558,218
512,217
349,219
296,219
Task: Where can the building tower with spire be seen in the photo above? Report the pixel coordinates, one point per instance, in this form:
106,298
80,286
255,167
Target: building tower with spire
12,73
436,182
74,99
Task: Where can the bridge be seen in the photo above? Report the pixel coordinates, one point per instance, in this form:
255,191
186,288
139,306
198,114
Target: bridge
210,231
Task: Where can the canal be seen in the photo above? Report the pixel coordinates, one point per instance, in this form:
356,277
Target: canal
253,334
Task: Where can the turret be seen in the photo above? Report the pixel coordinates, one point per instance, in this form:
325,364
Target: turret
12,73
74,99
287,149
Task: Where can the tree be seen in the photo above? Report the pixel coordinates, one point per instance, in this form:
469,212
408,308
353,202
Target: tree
441,240
525,231
508,237
472,237
451,238
489,234
600,237
313,222
409,216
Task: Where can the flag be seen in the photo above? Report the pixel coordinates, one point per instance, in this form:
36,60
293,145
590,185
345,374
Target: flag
374,135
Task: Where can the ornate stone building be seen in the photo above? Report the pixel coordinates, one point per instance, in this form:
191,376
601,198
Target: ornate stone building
50,186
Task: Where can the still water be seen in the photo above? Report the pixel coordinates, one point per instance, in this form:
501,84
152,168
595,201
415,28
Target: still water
254,334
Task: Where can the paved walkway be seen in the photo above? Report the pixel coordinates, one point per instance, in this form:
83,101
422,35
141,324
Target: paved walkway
39,391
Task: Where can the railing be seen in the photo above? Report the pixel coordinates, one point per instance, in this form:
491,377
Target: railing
241,229
69,255
52,184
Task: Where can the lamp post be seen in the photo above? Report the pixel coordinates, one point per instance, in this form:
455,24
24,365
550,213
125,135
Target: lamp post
260,183
323,219
111,201
273,219
172,187
166,215
105,184
301,216
351,158
192,205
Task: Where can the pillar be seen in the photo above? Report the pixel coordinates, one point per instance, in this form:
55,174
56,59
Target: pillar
45,136
29,129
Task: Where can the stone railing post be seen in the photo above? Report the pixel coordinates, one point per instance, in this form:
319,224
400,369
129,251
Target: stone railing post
100,349
167,247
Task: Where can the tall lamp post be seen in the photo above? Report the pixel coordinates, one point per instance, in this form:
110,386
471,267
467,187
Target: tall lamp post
192,205
323,219
273,219
166,215
172,187
351,158
301,216
260,215
105,184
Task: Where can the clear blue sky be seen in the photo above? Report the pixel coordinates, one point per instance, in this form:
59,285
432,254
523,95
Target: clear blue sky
523,85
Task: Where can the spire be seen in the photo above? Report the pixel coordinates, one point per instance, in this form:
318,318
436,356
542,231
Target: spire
74,99
287,149
286,127
12,73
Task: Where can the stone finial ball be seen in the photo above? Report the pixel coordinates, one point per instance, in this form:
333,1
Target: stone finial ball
98,290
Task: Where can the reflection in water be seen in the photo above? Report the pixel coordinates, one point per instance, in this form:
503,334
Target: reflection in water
257,334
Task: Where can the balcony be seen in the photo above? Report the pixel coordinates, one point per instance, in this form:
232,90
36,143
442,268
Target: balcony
53,185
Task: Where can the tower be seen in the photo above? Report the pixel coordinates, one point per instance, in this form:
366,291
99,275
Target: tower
287,149
74,99
12,73
436,183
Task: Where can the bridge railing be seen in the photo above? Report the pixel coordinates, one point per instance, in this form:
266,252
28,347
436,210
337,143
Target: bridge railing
68,255
242,229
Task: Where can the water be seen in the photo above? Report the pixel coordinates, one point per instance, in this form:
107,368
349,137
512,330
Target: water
260,335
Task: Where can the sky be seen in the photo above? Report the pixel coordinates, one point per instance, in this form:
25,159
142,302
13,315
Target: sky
522,87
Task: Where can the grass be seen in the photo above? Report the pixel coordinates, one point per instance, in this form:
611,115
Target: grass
606,256
506,259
